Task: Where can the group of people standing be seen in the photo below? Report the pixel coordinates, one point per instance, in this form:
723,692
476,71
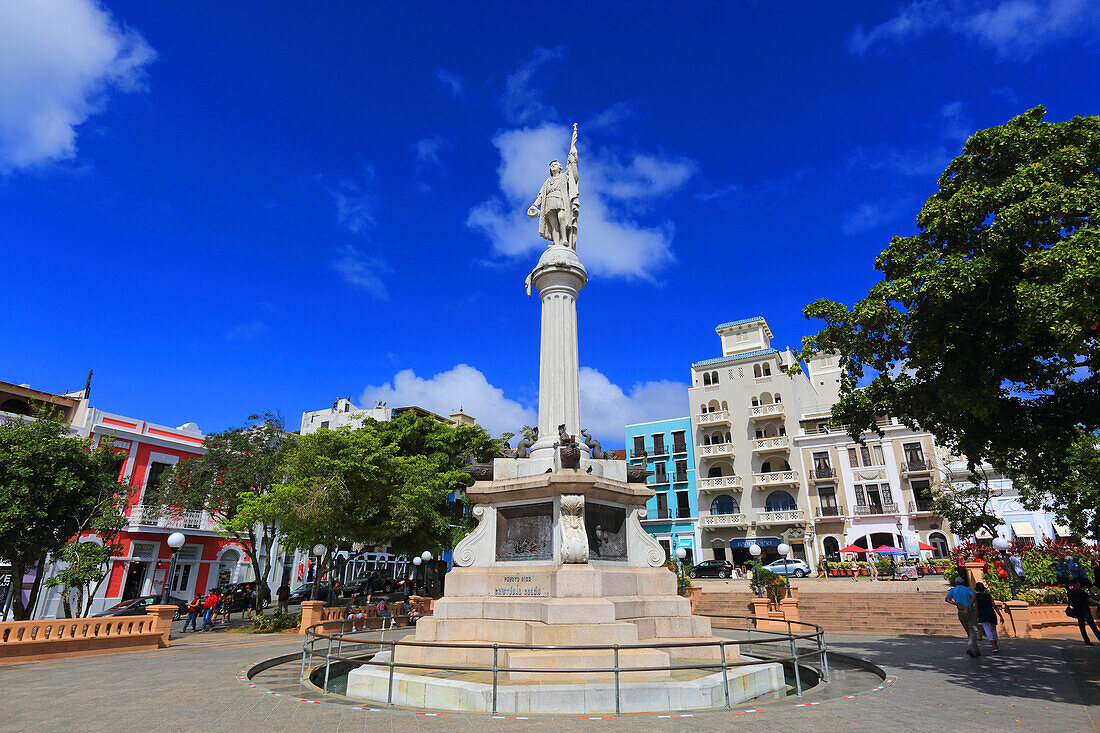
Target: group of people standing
217,605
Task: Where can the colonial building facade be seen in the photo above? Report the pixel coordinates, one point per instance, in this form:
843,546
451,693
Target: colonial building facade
672,514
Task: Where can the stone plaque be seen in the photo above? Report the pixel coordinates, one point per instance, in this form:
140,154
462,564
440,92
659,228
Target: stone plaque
521,585
525,532
606,526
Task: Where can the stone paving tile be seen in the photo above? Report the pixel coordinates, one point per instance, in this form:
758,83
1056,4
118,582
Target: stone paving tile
1031,685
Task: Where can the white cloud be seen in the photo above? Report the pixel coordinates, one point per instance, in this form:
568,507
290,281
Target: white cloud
361,271
720,193
453,81
521,102
59,62
611,237
606,408
427,149
463,386
1013,29
355,202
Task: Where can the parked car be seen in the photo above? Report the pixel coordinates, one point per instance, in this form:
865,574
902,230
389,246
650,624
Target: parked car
240,592
713,569
139,606
797,568
376,581
305,591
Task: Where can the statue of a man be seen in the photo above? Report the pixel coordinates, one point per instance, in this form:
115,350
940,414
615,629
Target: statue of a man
559,201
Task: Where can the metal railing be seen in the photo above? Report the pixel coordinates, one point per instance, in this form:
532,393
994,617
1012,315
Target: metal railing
817,474
921,505
871,509
787,639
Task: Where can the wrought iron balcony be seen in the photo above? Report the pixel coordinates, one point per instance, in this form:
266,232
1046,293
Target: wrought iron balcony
872,509
680,478
921,506
169,518
915,467
679,448
820,474
830,511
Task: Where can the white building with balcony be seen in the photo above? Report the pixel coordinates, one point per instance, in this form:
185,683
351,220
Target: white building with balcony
750,475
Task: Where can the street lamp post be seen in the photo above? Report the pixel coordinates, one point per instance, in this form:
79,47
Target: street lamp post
416,573
754,550
319,551
175,542
425,558
681,553
784,549
1001,544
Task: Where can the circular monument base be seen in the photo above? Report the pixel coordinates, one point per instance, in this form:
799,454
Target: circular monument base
473,691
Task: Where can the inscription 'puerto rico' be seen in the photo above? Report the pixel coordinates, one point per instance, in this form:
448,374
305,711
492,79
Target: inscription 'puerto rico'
519,585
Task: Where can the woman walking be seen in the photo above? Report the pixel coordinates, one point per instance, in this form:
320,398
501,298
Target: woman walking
1081,606
988,614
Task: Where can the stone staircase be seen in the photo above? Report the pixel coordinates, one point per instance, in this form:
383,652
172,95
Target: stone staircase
868,613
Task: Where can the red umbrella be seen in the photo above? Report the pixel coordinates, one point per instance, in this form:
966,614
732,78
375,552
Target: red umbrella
922,546
853,548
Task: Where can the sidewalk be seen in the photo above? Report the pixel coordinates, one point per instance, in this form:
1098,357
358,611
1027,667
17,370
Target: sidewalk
1031,685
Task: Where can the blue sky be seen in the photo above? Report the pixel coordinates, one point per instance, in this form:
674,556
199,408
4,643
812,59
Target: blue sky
244,207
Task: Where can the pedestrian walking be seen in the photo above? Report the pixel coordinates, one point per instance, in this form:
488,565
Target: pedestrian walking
225,606
249,604
1080,608
822,569
193,610
872,570
283,594
1017,566
988,614
209,605
963,599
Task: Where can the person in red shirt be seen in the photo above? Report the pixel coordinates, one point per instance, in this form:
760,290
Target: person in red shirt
193,609
209,605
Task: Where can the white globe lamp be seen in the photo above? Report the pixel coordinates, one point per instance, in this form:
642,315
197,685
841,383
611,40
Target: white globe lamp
417,560
754,550
784,549
681,553
1000,543
176,540
426,556
319,550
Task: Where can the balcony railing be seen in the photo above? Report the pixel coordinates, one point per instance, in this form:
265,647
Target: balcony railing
720,483
920,466
775,478
774,443
659,450
787,516
660,478
679,448
635,454
714,450
921,505
723,520
820,474
830,511
719,417
144,516
759,412
680,478
866,509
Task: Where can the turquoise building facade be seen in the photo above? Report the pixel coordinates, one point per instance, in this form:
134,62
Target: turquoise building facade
665,448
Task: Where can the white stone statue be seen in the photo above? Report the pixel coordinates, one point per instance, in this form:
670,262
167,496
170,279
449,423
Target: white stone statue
558,202
574,540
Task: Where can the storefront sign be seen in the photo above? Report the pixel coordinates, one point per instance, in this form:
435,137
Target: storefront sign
762,541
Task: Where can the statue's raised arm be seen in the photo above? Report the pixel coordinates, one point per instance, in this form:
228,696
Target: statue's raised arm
558,203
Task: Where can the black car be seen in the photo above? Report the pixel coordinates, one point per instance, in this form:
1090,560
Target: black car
241,592
376,581
305,591
713,569
140,606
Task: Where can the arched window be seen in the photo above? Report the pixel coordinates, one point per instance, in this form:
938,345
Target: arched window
713,406
779,501
756,371
831,547
767,370
715,472
17,407
755,402
706,379
766,467
724,504
706,439
786,466
716,439
702,409
714,377
778,398
729,438
765,398
724,405
939,542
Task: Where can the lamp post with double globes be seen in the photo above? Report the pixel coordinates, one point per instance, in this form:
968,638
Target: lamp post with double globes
754,550
175,542
784,549
1001,544
425,558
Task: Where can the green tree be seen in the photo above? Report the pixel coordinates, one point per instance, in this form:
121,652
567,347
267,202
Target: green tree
51,483
397,482
985,328
234,481
968,505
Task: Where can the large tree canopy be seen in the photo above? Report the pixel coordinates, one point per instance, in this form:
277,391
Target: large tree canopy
53,485
986,325
392,482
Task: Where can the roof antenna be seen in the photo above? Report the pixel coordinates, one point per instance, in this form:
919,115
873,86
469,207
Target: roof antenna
88,385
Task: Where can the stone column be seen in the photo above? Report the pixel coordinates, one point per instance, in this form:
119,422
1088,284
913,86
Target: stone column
312,613
559,277
163,623
1019,616
975,572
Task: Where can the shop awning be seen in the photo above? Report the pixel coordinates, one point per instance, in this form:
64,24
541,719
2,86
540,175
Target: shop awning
1023,529
1062,530
854,548
922,546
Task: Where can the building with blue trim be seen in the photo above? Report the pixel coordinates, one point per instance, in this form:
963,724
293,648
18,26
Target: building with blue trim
665,448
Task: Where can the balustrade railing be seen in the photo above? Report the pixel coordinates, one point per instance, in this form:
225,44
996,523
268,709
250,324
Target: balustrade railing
723,520
786,515
169,518
776,442
759,411
715,449
714,418
871,509
718,483
775,478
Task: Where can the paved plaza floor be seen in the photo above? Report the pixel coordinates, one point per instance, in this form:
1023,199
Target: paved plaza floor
933,686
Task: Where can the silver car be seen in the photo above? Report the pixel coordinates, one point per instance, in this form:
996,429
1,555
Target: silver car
797,568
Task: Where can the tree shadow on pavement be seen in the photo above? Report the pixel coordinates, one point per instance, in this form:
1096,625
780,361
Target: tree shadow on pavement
1024,668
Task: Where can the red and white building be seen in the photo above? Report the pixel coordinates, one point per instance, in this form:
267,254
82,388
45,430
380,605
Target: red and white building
149,450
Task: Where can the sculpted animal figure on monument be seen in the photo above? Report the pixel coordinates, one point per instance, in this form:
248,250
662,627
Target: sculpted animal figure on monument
594,448
570,452
524,445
